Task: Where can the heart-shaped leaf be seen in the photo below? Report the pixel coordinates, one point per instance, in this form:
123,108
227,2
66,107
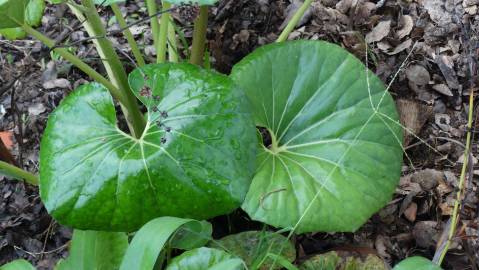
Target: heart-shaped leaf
335,155
95,250
17,265
254,246
416,263
195,158
193,2
12,13
33,16
205,259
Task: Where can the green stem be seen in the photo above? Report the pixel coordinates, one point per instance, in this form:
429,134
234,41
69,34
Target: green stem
457,202
172,43
294,21
114,67
17,173
128,35
152,10
77,62
163,35
199,37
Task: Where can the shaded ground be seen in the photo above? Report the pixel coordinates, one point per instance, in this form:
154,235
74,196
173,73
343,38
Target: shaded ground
428,46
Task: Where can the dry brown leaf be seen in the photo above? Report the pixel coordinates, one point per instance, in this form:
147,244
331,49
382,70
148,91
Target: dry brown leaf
379,32
418,75
401,47
411,211
407,25
443,89
413,116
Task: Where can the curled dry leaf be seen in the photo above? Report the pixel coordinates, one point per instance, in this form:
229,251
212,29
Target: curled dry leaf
413,116
401,47
379,32
407,25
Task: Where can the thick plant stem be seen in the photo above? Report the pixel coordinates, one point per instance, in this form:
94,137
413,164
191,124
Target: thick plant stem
128,35
457,202
115,69
17,173
294,21
172,43
155,27
163,35
199,37
77,62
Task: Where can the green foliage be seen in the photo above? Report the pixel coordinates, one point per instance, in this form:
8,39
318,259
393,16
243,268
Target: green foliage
95,250
254,246
334,159
33,13
151,239
195,158
206,259
12,13
416,263
17,265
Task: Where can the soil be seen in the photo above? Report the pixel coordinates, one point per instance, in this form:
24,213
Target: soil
425,49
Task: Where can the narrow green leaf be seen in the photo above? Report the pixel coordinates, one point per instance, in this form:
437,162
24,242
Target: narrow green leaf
416,263
17,265
205,259
336,153
107,2
195,158
192,235
150,240
95,250
12,13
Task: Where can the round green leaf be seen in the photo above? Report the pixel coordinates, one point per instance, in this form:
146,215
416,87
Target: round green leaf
205,259
12,13
195,158
17,265
34,12
254,246
193,2
336,152
416,263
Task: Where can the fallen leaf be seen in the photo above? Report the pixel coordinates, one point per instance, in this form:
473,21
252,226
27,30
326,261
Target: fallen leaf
443,89
36,109
413,116
426,233
6,137
379,32
418,75
57,83
407,25
411,211
401,47
428,178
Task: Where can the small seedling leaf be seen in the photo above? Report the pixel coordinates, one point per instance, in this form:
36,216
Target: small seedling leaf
416,263
206,259
195,158
254,246
336,151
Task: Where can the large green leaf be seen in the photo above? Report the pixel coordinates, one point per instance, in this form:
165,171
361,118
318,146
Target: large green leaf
95,250
205,259
12,13
254,246
193,2
151,238
336,156
33,17
195,158
17,265
416,263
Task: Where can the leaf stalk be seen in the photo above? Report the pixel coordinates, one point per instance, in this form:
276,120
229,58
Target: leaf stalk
294,21
199,37
18,173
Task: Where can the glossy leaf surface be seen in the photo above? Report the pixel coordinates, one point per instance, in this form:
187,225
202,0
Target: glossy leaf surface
336,153
253,247
193,2
95,250
205,259
12,13
33,17
17,265
195,158
416,263
151,238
